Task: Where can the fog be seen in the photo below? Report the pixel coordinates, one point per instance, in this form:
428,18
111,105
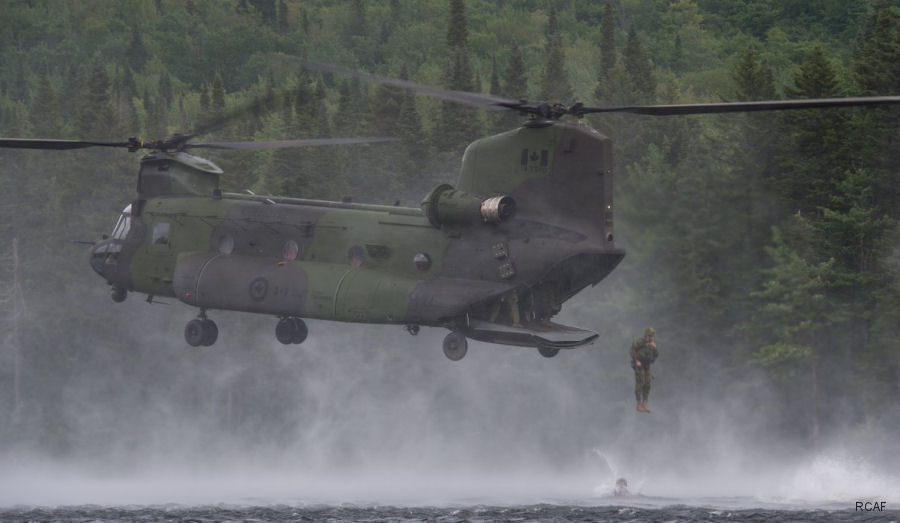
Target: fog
370,414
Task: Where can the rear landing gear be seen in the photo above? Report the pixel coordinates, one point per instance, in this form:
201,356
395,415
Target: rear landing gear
201,331
291,330
455,346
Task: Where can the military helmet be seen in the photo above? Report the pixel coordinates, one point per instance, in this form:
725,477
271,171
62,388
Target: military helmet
650,331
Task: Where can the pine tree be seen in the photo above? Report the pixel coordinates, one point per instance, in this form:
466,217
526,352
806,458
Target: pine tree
218,95
555,85
282,14
515,78
637,65
137,53
607,51
96,108
876,68
358,24
494,88
813,148
45,109
753,77
457,125
166,93
204,101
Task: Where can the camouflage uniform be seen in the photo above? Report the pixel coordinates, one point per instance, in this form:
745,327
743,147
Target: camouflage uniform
642,351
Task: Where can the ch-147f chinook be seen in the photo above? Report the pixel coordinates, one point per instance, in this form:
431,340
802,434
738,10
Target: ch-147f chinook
527,226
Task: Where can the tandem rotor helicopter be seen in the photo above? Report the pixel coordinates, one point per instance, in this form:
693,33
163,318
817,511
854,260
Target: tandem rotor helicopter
527,226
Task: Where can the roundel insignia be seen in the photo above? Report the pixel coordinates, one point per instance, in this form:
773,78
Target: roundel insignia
258,289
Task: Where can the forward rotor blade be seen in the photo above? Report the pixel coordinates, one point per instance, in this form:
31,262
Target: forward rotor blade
743,107
57,145
486,101
281,144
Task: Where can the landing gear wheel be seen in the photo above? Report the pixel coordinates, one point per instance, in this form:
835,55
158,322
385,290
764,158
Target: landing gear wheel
285,331
300,331
291,330
118,294
201,331
455,346
193,333
548,352
210,332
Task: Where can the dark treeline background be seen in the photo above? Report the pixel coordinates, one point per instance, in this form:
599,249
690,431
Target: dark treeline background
760,245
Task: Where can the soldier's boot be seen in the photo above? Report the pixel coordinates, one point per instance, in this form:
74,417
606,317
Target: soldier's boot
640,406
644,407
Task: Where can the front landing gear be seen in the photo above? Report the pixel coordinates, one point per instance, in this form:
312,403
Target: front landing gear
201,331
291,330
455,346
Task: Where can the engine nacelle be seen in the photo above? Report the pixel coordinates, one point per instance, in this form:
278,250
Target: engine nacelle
446,206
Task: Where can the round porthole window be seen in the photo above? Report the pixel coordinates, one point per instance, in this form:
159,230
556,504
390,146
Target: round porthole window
225,243
355,255
291,250
422,261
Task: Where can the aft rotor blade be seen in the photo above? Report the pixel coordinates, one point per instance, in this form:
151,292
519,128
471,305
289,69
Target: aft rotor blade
486,101
743,107
57,145
281,144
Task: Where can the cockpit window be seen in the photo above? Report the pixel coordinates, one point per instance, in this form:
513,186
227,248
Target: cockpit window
123,226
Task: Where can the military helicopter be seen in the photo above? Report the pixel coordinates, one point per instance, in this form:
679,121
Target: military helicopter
527,226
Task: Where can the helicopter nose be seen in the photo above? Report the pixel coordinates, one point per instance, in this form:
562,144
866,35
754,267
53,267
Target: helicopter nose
99,254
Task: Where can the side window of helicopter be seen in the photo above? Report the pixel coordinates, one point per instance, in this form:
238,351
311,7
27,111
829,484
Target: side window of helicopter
356,255
291,250
123,226
161,233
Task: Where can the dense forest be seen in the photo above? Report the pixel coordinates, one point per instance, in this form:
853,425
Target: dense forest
762,245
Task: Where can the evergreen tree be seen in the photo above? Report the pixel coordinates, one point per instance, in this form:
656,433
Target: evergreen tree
45,109
813,150
876,69
358,24
607,50
137,53
457,28
753,77
555,85
218,95
795,317
494,88
282,14
458,125
166,93
96,108
515,78
637,65
204,101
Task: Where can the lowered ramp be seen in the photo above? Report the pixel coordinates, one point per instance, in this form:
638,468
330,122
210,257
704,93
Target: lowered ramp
554,336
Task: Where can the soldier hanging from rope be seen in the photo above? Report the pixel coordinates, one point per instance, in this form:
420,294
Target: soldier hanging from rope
643,354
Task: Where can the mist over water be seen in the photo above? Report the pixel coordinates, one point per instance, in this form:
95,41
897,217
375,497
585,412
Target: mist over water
371,415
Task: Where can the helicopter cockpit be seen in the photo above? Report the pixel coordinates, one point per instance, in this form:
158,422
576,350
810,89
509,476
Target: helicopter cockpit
123,226
105,253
